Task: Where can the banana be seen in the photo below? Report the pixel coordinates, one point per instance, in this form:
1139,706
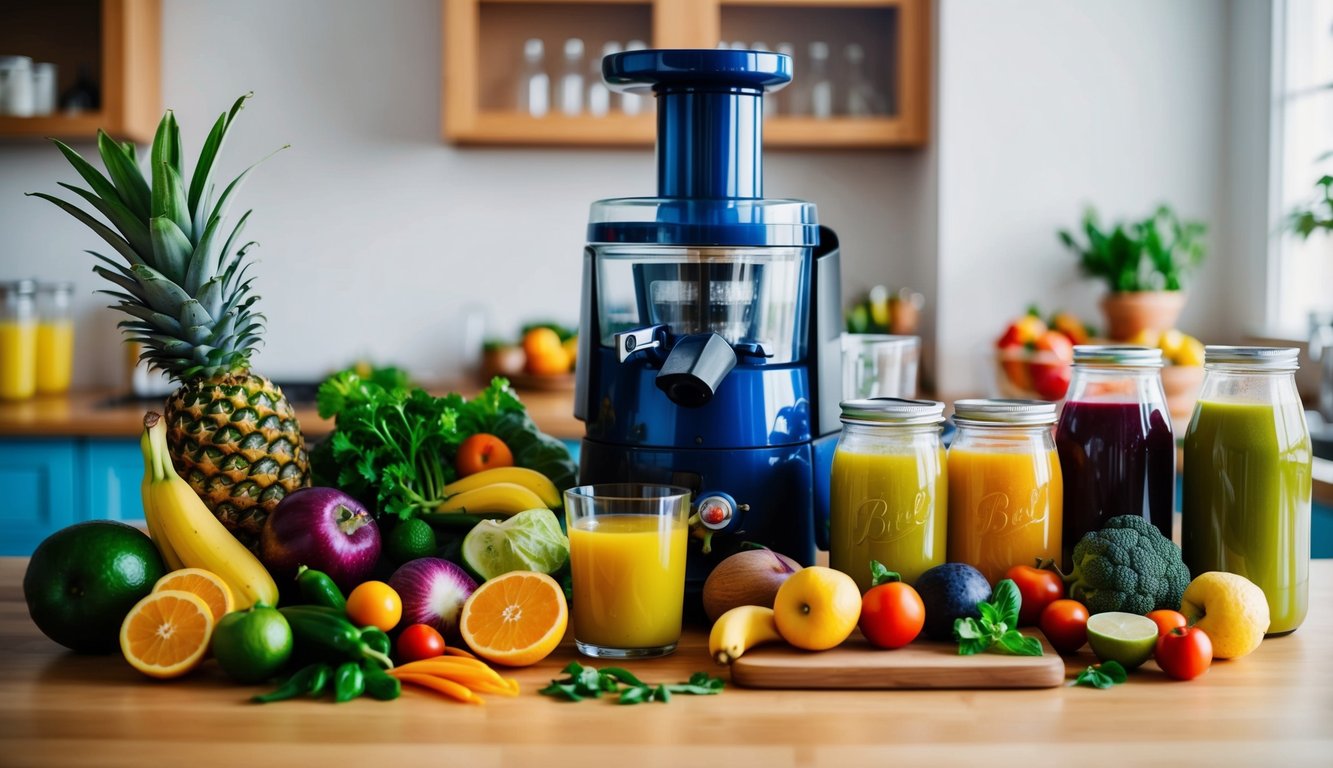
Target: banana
504,498
150,516
528,478
740,629
194,534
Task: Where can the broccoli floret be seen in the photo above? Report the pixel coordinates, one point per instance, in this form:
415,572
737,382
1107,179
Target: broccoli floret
1127,566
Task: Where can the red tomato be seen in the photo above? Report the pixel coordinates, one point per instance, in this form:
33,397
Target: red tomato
1039,588
1065,624
1051,378
1185,652
419,641
1167,620
892,615
482,451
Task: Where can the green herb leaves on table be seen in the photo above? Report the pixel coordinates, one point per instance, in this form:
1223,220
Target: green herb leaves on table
590,683
998,625
1103,675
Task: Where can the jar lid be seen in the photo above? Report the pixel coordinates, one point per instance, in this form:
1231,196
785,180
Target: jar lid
1267,358
999,412
1113,354
892,410
18,288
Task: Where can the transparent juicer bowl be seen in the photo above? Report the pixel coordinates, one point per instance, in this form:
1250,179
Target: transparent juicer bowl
747,295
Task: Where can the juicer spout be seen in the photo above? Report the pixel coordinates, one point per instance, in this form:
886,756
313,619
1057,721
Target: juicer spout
695,369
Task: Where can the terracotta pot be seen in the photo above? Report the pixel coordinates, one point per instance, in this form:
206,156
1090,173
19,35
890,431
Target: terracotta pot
1129,312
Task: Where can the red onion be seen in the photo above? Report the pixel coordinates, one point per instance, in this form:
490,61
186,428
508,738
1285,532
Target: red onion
323,529
433,592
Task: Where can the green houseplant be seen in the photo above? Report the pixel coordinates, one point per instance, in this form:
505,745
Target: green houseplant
1146,265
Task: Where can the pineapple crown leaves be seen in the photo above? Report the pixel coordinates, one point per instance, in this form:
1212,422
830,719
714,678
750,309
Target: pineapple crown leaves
183,284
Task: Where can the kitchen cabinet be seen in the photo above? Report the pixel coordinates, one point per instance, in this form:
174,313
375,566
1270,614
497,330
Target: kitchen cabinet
118,43
483,57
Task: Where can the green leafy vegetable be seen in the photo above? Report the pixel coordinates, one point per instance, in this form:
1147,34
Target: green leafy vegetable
393,447
997,625
1103,675
588,683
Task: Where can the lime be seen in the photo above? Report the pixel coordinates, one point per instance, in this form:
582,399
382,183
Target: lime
252,645
410,540
528,541
82,580
1124,637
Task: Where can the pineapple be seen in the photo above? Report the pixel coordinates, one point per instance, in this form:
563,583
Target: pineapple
232,435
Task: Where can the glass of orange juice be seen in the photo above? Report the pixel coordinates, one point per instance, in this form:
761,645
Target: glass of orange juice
627,558
18,340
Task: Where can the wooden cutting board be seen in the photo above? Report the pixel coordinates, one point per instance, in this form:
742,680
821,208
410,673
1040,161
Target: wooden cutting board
857,665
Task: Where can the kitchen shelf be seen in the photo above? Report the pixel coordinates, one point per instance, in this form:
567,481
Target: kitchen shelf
482,54
118,41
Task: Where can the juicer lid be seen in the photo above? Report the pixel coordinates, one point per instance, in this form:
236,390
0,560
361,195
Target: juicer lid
1117,355
1266,358
688,221
1001,412
892,410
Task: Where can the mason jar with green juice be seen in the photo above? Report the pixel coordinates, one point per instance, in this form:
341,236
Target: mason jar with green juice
1247,478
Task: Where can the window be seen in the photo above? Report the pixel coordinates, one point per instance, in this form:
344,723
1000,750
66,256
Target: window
1302,270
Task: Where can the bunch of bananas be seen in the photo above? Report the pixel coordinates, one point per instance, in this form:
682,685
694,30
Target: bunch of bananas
186,533
740,629
501,491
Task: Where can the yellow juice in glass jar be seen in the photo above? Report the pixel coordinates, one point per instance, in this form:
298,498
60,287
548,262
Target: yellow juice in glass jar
629,580
55,356
18,359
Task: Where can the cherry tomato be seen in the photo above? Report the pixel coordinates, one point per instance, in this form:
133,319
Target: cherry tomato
1065,624
1185,652
374,604
892,615
419,641
1167,620
1039,588
482,451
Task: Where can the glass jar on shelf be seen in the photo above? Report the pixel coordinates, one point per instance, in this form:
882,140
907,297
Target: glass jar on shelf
55,338
534,85
570,87
18,340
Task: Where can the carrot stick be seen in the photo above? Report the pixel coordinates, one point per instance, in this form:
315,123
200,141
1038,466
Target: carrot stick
447,663
479,672
440,685
502,689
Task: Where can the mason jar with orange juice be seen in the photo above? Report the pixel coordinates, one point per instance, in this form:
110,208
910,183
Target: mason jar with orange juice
889,494
18,340
1005,490
55,338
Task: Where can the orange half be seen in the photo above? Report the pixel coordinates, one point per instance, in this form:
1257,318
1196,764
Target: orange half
207,585
516,619
166,633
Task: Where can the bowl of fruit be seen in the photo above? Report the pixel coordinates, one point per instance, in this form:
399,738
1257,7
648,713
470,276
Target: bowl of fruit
1033,358
543,358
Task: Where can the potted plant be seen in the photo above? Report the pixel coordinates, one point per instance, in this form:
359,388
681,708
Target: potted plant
1146,265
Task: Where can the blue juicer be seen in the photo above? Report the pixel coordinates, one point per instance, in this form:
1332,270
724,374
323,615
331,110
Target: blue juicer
709,339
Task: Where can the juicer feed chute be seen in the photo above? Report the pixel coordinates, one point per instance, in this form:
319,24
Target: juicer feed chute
709,339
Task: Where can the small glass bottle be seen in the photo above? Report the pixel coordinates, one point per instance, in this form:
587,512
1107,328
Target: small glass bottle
55,338
889,492
599,96
1247,478
782,99
1005,490
571,79
534,85
633,103
821,87
1117,451
18,340
861,99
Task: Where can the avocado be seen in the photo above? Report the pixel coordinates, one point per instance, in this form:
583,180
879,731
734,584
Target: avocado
950,591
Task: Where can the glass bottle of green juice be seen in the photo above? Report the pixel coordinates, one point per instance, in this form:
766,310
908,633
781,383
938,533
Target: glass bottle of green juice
1246,500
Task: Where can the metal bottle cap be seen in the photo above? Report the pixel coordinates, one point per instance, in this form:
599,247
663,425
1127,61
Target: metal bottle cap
1004,412
1108,354
1266,358
892,410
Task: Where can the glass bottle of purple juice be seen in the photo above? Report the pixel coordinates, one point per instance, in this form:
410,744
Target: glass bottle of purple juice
1117,452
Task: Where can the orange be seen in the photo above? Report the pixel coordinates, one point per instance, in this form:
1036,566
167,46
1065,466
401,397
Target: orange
516,619
541,341
166,633
816,608
205,584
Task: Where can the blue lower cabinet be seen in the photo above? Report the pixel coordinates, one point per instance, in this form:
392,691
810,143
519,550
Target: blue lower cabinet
113,471
41,482
1321,530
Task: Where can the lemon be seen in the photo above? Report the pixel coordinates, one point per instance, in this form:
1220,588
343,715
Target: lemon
1171,343
1191,352
816,608
1146,337
1230,608
1124,637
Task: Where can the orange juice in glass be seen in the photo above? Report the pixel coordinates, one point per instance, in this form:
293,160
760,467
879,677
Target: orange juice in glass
627,559
55,338
1006,493
18,340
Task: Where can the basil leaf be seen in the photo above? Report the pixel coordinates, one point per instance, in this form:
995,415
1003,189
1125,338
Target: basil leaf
1102,675
1007,599
1114,671
990,615
622,675
967,628
561,690
1014,642
633,695
973,646
881,575
660,693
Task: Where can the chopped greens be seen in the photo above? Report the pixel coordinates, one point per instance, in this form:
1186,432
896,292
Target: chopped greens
1103,675
589,683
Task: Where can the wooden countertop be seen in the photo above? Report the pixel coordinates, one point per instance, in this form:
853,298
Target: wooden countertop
59,709
100,414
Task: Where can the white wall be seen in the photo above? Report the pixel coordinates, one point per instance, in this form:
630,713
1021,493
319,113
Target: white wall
1046,106
375,235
